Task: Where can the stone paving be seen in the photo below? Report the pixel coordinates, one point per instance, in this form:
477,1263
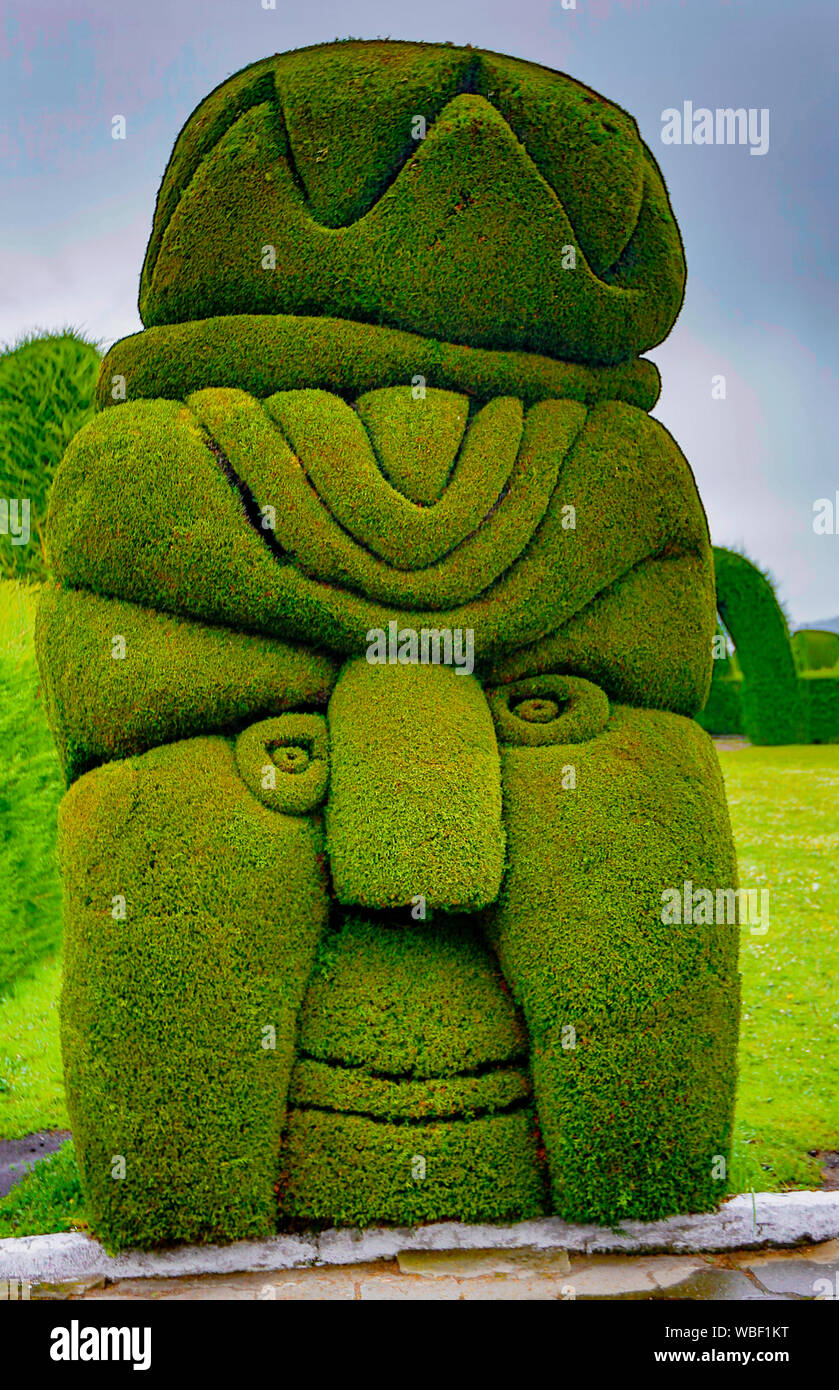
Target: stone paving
810,1272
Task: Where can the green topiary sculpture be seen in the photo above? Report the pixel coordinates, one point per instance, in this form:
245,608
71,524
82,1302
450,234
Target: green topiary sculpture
380,609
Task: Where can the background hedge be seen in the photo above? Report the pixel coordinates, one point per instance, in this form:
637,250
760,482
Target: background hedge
815,649
766,689
771,705
47,392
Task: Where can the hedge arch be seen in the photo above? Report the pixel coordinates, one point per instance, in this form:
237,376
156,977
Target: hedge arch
771,703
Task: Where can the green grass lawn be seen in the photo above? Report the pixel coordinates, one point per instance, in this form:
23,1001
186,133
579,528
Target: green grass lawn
785,815
31,1082
784,805
30,790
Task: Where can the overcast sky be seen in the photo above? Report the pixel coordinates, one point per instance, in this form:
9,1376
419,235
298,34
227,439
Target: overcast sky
760,230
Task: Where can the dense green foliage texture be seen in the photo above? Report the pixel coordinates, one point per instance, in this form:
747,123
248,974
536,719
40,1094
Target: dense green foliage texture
379,610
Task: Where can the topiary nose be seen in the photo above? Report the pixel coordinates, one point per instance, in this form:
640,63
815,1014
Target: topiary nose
414,807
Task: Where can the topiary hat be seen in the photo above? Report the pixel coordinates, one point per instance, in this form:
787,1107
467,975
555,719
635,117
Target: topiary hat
450,192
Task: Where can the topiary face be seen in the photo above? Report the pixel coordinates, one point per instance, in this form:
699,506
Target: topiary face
393,918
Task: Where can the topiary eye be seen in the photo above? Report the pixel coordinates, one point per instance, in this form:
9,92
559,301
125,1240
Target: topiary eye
548,709
538,710
289,757
285,762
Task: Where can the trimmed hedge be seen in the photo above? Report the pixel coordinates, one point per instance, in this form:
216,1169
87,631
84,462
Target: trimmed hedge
325,521
349,1170
353,471
266,353
463,234
139,478
637,1116
47,392
319,1086
548,709
166,1014
771,706
635,1100
418,452
285,762
415,791
614,642
820,696
408,1000
815,649
370,433
723,711
177,678
807,680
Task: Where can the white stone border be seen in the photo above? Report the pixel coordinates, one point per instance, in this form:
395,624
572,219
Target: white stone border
748,1222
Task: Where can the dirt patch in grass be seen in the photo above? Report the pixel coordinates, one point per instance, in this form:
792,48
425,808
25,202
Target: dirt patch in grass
17,1156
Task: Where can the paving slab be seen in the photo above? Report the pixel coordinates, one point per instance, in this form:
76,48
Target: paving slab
606,1276
716,1284
472,1264
311,1284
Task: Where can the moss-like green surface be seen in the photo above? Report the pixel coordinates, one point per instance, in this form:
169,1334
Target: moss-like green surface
463,234
409,1001
637,1116
783,811
612,642
408,397
349,1170
285,762
416,449
351,1090
266,353
146,477
548,709
179,1017
352,471
171,679
581,941
334,507
415,790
